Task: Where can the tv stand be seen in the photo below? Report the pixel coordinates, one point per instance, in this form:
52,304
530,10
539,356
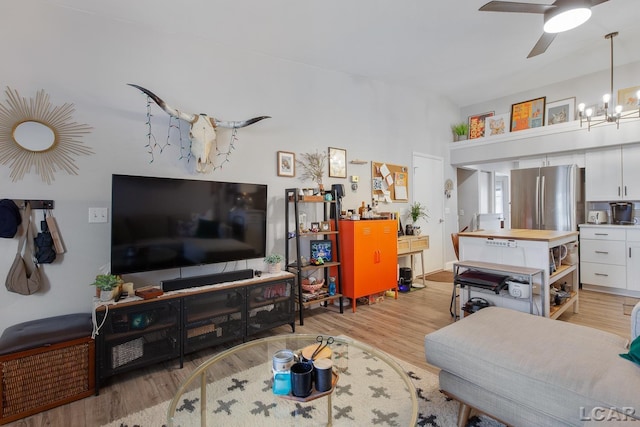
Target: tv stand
135,333
207,279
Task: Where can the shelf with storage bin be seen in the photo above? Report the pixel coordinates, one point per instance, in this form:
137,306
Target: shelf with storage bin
299,235
270,305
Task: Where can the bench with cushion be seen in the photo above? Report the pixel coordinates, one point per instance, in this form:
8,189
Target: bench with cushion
526,370
45,363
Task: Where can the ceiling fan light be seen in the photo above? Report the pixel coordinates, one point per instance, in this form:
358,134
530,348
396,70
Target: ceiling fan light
557,21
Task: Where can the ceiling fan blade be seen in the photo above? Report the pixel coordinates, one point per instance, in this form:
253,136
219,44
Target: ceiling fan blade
543,43
511,6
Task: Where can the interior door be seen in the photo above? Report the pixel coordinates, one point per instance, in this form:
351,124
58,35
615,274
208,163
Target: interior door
428,189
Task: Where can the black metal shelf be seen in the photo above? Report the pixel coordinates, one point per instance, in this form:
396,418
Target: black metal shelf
293,234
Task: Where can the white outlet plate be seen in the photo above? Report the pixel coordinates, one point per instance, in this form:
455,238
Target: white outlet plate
98,215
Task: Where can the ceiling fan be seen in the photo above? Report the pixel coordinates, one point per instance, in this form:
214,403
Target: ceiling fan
560,16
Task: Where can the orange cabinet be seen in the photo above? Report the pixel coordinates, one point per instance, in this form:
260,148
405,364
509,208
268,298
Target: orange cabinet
369,257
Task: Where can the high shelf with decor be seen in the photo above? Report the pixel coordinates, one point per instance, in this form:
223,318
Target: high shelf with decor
302,241
135,332
370,257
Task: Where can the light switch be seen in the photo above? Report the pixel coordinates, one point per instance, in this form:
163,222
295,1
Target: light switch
98,215
355,178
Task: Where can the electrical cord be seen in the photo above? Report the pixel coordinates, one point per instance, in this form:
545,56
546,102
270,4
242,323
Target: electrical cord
96,327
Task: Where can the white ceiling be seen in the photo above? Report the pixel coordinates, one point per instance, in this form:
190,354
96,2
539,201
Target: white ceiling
447,46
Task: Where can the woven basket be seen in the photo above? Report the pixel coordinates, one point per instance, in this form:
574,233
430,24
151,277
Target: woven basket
39,379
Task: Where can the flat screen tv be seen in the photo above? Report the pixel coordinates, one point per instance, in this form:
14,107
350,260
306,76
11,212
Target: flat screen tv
162,223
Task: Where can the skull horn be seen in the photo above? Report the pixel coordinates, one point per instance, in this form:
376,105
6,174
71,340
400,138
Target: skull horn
171,111
239,124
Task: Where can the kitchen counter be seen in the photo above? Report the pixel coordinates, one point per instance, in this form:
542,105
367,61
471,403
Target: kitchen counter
523,234
529,249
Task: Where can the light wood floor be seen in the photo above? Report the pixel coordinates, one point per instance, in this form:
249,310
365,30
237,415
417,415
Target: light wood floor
397,327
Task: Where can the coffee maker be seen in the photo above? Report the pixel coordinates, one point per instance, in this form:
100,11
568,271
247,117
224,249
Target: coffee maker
621,213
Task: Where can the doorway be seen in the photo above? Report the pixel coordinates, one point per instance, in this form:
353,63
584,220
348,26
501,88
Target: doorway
428,189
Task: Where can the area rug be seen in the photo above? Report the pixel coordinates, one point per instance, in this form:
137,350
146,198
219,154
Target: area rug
440,276
247,405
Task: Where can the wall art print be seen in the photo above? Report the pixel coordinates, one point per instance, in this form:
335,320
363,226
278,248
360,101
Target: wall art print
476,124
562,111
628,98
496,125
286,164
528,114
337,163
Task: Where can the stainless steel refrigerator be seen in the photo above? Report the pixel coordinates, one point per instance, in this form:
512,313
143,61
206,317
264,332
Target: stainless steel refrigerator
547,198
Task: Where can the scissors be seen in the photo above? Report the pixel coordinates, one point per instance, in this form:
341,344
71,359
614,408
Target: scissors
320,340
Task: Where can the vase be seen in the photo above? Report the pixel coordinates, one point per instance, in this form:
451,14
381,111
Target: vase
106,295
274,268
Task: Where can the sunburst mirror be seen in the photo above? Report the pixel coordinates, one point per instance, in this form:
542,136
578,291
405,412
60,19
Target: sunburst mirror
36,134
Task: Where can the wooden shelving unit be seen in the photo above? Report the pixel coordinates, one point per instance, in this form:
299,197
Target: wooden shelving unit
294,237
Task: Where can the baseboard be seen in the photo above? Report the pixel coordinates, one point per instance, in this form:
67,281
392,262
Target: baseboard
449,266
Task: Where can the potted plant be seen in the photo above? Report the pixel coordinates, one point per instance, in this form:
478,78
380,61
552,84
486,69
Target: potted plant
417,211
460,131
106,283
313,166
273,262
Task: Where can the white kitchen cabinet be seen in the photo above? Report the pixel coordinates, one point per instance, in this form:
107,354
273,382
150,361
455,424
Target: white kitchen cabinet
633,260
602,256
613,174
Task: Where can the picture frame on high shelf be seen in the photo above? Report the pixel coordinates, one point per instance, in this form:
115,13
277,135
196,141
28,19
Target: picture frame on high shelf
628,98
476,124
562,111
325,226
337,162
528,114
286,164
496,125
321,249
315,226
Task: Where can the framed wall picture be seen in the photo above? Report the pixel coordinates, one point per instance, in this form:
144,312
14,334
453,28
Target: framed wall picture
496,125
476,124
337,162
320,249
562,111
628,98
528,114
286,164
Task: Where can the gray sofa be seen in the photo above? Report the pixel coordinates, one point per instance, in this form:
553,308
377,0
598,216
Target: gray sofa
526,370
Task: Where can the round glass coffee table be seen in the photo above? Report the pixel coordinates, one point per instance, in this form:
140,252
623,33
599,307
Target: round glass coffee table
234,388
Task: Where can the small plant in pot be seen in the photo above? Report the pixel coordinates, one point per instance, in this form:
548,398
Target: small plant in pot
460,131
274,262
417,211
106,283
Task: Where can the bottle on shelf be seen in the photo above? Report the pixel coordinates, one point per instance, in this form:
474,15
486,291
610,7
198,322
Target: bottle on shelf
361,210
332,285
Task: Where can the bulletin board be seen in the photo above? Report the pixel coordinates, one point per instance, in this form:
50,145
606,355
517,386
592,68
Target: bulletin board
389,183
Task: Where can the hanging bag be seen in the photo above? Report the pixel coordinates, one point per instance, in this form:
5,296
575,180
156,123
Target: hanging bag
45,251
24,275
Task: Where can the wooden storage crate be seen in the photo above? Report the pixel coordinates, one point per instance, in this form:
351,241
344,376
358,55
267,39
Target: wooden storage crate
42,378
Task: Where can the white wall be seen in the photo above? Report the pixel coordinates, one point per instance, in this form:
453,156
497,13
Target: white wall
87,60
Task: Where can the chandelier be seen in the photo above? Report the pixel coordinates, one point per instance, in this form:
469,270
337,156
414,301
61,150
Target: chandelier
611,115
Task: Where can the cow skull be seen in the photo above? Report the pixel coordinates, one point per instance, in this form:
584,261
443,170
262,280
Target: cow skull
203,129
